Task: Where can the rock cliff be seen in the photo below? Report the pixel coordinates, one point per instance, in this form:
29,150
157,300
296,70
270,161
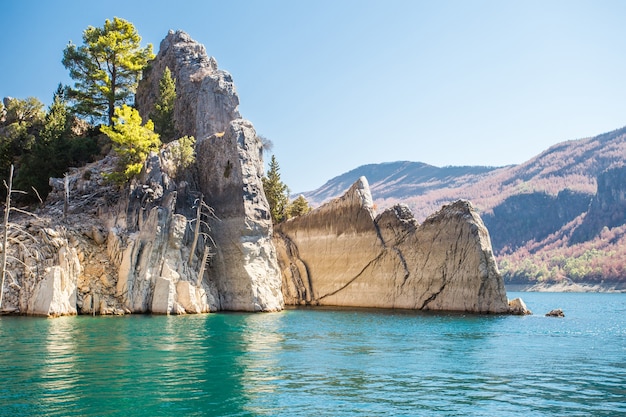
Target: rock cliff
607,207
175,240
341,254
206,98
197,239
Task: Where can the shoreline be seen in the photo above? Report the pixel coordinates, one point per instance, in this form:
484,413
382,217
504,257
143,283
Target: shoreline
568,287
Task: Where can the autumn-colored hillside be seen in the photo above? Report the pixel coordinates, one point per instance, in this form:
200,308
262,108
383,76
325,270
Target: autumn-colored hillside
539,213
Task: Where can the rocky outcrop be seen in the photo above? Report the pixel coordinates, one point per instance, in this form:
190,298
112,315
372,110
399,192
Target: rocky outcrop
517,306
206,98
245,265
228,172
340,254
607,208
557,312
148,241
175,240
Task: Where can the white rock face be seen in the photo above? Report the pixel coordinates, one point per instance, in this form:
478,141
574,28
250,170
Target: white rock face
55,294
245,266
154,259
341,255
134,247
206,98
518,307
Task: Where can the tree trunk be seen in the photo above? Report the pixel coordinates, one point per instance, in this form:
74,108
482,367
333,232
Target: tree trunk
5,236
196,233
205,258
66,199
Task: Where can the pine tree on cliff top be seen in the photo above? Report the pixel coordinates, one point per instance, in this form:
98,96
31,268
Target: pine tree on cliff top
276,192
163,114
106,69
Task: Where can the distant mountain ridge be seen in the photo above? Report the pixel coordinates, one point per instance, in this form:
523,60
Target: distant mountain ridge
399,180
530,209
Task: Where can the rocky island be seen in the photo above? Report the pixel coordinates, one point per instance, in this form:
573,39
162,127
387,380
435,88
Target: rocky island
201,239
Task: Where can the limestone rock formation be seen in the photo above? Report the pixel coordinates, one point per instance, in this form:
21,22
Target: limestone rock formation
340,254
227,173
517,306
245,265
146,247
206,98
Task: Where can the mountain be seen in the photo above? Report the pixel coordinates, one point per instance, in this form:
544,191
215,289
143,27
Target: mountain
399,180
556,209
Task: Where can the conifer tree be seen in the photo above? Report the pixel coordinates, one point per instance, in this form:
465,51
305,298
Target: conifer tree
276,192
298,207
49,156
106,68
163,115
131,141
20,124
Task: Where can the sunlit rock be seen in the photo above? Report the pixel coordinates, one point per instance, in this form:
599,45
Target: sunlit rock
341,254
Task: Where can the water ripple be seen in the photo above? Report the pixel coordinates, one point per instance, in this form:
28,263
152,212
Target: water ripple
319,362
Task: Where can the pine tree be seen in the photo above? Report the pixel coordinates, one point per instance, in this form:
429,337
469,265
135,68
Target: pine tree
298,207
49,155
20,125
276,192
183,153
106,68
163,115
131,141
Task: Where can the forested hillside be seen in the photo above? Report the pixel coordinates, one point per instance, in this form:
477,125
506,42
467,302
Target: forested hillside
546,221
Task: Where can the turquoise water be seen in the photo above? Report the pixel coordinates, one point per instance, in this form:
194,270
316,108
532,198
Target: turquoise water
322,362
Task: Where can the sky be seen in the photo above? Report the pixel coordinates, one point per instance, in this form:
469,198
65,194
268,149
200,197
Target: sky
336,84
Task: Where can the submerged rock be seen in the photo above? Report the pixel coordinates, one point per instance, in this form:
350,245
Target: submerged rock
341,254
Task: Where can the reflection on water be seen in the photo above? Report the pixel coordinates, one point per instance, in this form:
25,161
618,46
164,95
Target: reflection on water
58,377
260,363
320,362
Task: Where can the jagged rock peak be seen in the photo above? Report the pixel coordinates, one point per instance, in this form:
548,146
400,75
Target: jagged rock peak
360,191
339,254
206,98
193,52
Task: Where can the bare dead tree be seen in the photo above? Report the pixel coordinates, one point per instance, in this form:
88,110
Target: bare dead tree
5,235
203,213
66,199
205,259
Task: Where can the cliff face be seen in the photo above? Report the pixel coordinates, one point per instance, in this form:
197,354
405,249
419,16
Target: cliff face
342,255
198,239
245,268
607,208
206,98
147,247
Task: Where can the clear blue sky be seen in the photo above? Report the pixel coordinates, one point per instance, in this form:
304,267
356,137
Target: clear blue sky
339,83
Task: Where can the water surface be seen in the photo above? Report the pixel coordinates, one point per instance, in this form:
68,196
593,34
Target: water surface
322,362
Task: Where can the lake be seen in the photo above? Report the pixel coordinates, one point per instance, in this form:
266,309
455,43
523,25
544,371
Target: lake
322,362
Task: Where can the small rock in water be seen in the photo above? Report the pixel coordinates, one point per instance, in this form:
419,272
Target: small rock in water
557,312
518,307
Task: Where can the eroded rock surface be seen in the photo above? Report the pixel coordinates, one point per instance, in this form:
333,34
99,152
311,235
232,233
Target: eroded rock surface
206,98
132,250
245,266
342,255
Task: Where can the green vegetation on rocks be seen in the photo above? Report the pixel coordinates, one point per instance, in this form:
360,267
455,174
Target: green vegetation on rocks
132,142
106,68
